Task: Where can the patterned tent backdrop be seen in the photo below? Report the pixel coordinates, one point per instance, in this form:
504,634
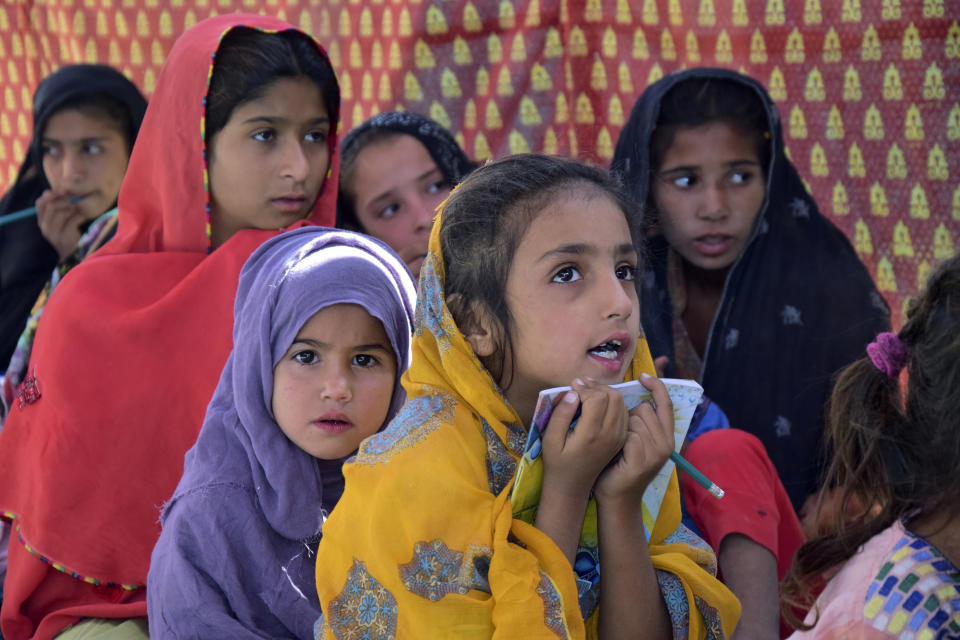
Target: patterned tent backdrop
867,89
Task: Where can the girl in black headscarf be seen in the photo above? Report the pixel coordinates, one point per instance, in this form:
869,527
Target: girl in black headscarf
748,288
85,119
395,169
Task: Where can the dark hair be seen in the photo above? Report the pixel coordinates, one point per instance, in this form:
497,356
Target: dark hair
248,61
699,101
102,107
484,220
346,198
893,457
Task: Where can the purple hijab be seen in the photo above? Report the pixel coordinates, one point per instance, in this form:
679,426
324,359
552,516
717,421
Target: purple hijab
236,555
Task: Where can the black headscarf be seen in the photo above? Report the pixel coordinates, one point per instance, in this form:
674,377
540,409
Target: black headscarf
797,306
26,258
450,159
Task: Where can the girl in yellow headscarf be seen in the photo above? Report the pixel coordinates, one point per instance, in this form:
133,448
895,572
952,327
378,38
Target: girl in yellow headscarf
528,285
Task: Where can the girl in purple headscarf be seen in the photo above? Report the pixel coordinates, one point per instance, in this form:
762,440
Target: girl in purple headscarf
322,327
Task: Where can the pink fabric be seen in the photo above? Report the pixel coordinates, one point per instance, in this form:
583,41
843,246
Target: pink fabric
845,604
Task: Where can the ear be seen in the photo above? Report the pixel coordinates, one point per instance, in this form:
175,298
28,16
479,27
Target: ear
476,323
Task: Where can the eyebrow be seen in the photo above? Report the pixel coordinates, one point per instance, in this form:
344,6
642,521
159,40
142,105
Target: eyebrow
388,194
80,141
579,249
278,119
317,344
694,167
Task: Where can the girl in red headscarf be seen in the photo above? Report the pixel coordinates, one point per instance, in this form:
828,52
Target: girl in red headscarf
238,144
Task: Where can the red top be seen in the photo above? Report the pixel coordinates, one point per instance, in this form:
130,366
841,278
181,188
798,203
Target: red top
126,358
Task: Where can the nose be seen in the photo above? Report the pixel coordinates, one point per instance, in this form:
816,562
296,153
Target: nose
72,168
617,301
714,203
295,163
424,215
336,386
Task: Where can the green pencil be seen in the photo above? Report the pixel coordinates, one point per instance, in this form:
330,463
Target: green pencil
694,473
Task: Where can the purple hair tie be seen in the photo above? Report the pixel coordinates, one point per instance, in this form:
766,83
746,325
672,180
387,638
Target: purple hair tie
888,354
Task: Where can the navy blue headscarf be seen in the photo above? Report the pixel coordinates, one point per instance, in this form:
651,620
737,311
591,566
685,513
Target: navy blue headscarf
236,555
797,305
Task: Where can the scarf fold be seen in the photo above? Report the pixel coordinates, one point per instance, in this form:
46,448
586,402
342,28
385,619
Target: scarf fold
798,304
424,538
245,484
26,258
131,346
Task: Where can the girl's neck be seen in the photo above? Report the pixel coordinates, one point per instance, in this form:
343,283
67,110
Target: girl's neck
703,282
704,289
942,531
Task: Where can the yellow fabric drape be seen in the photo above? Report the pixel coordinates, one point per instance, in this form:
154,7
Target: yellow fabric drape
423,542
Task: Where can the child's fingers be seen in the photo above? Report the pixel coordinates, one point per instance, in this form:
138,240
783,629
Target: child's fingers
661,398
555,433
604,410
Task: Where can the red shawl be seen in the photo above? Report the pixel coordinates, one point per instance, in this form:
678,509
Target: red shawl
126,358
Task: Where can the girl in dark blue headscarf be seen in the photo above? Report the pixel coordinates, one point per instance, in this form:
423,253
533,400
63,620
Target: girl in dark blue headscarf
751,291
85,120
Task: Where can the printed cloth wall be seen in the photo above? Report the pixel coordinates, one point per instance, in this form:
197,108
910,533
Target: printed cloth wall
867,89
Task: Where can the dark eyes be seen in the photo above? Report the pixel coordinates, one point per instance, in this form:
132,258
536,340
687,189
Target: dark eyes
567,274
308,357
389,211
269,135
305,357
572,274
626,272
365,360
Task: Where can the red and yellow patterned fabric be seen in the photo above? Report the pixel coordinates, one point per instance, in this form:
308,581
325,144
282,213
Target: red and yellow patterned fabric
867,89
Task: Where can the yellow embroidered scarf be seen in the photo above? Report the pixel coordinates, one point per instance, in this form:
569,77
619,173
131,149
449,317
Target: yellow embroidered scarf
423,542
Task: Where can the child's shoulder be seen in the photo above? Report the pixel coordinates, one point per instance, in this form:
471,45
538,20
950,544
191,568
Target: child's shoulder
914,588
427,422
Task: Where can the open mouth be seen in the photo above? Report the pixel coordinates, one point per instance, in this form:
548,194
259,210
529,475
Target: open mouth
610,350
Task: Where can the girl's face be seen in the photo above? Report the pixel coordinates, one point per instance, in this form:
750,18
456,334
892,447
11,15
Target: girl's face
333,386
397,188
571,294
708,193
269,161
85,156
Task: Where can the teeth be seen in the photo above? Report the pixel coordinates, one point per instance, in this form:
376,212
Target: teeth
608,350
608,354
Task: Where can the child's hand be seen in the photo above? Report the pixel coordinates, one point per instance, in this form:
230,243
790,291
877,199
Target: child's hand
59,221
648,444
573,458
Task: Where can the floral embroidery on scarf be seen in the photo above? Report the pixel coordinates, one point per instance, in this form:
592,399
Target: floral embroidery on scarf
711,619
675,597
791,316
516,438
587,567
364,608
430,316
706,558
416,419
436,570
501,465
552,606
